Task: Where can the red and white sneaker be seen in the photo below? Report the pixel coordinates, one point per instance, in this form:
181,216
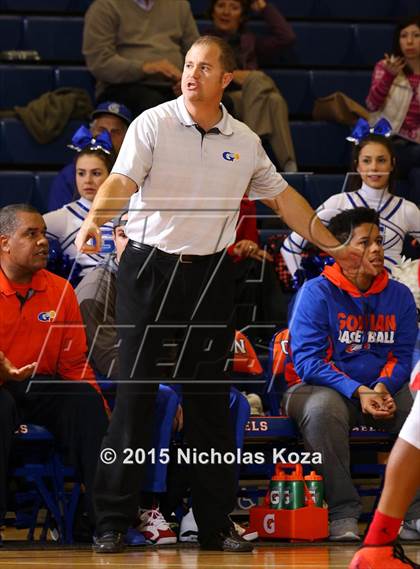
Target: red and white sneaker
381,557
246,533
155,528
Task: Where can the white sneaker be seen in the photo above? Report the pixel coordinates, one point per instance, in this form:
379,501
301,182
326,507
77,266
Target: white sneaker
188,531
410,531
245,532
155,528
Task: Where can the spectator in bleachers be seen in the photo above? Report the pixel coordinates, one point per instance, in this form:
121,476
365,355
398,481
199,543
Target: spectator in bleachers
93,165
395,95
373,164
109,116
135,49
352,340
33,304
253,95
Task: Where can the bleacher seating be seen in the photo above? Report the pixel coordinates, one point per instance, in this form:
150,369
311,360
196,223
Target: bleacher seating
332,9
354,84
300,88
74,76
20,84
358,40
18,147
62,6
320,144
18,186
55,38
60,39
308,9
296,87
372,41
10,32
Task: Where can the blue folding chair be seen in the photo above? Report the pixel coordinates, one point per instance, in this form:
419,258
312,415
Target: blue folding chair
37,461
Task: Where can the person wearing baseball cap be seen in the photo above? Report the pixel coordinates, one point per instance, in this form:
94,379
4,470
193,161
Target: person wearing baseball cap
107,116
112,108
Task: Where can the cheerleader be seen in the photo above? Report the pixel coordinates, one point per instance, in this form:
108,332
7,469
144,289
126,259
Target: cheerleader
93,165
374,167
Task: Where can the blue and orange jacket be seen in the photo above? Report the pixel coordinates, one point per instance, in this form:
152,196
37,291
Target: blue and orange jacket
344,338
47,328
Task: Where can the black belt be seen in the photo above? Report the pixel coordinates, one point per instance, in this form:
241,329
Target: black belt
182,258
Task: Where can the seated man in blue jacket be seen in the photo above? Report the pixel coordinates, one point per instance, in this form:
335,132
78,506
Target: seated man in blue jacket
352,340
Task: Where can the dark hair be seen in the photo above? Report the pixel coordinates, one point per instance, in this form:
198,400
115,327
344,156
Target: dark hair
356,181
396,47
245,4
343,224
9,218
118,220
107,159
227,57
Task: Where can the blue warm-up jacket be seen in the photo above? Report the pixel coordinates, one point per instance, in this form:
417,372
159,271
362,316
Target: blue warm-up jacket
344,338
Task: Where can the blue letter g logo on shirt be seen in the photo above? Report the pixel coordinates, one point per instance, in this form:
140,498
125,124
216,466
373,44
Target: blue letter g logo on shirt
230,156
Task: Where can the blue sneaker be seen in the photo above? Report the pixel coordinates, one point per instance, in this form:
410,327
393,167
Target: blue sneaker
134,538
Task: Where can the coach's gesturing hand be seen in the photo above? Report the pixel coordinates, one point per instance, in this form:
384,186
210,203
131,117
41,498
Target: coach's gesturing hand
89,231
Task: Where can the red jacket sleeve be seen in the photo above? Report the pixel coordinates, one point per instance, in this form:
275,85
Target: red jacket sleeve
246,227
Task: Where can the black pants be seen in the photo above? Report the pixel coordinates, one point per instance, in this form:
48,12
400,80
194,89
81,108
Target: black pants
138,96
72,411
159,299
260,303
8,423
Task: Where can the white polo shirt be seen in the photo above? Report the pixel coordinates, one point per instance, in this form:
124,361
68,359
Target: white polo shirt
190,186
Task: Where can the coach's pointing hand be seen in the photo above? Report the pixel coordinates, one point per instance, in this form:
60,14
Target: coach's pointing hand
87,232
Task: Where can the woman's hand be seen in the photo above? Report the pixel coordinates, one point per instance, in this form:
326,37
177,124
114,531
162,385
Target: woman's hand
394,64
258,5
